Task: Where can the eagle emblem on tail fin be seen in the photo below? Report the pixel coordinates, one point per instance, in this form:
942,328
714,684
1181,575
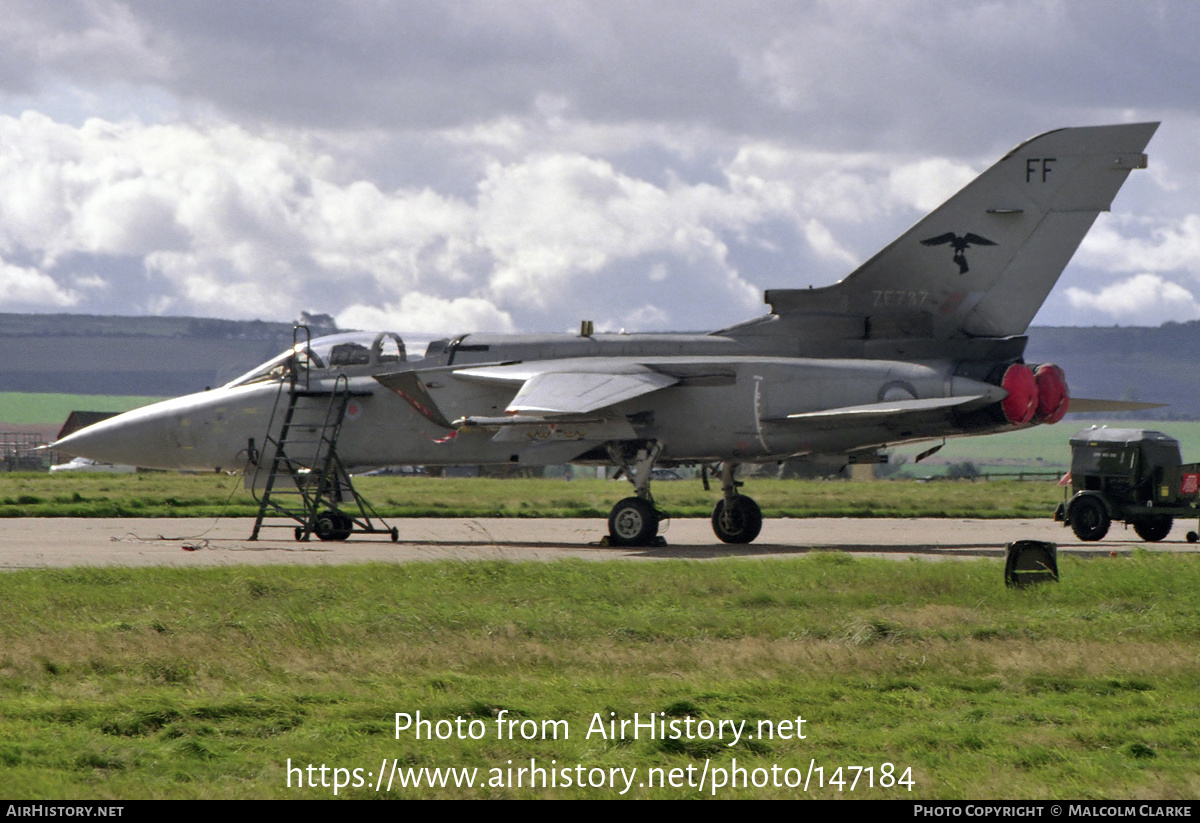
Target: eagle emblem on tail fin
960,245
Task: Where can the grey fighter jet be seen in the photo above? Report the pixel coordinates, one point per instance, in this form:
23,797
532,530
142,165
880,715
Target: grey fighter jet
913,345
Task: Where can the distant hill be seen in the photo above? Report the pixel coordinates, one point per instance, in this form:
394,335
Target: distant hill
1153,365
167,356
156,356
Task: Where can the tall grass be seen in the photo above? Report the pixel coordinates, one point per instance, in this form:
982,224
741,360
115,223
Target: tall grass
204,683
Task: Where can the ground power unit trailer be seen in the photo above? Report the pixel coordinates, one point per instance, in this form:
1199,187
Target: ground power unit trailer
1132,475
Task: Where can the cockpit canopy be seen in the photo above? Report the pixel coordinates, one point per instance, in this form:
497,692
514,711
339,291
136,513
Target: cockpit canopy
351,353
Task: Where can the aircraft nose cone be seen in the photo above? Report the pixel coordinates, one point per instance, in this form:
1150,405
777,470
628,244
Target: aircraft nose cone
137,438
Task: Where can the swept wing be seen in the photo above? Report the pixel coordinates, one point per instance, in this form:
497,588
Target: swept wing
567,387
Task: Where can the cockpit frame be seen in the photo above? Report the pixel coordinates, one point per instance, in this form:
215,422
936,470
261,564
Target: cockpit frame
347,353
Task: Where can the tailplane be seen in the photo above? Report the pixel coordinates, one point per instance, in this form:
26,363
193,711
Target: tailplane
982,264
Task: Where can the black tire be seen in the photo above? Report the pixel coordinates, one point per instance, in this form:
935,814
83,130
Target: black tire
1192,537
632,522
1154,529
1089,518
741,523
333,525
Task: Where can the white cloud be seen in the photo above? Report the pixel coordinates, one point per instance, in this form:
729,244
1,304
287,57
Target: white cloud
551,219
425,314
926,184
641,318
1124,244
95,39
216,220
130,217
847,187
1142,300
824,244
655,163
22,287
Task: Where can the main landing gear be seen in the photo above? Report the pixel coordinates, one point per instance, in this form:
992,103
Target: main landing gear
634,521
736,518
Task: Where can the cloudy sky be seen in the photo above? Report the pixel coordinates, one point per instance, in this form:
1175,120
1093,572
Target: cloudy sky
458,165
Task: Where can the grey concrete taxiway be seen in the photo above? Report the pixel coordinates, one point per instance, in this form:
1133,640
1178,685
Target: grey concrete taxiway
60,542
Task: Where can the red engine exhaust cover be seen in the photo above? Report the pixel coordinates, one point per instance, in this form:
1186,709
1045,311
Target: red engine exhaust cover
1053,397
1022,401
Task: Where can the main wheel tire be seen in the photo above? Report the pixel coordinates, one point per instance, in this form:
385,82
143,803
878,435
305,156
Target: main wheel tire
632,522
740,522
1154,529
1089,519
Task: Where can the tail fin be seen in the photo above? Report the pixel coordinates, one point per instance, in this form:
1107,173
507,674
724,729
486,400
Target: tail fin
983,262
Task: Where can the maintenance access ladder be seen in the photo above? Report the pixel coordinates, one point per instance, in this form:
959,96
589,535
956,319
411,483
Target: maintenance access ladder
306,480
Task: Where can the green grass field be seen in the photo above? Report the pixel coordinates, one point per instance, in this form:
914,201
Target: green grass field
205,683
1039,447
24,408
163,494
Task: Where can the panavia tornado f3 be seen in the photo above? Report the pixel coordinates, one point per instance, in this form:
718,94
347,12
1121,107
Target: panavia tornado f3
924,341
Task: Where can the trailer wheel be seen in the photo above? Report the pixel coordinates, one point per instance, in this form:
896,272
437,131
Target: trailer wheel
1089,519
1153,529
